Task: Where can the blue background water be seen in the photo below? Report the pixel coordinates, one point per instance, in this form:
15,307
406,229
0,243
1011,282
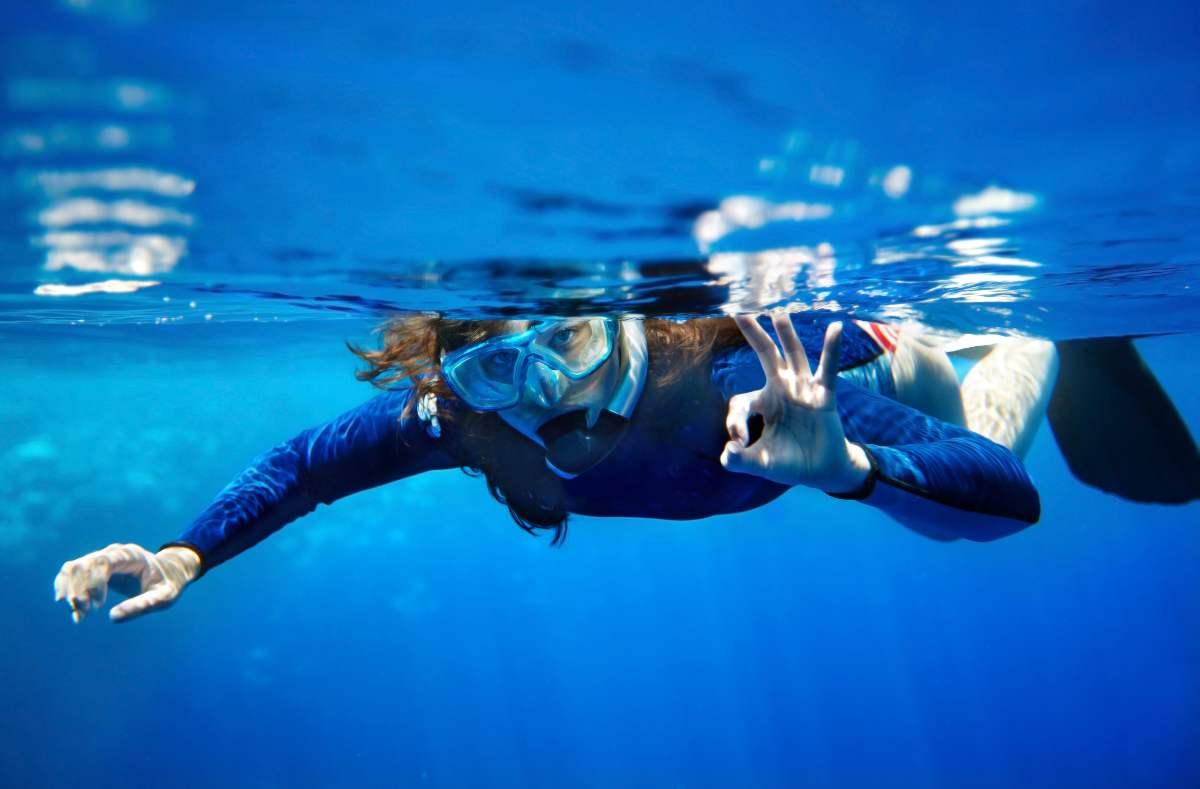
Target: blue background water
514,157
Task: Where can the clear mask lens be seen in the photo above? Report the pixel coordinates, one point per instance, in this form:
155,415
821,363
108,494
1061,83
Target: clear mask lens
486,379
489,375
576,347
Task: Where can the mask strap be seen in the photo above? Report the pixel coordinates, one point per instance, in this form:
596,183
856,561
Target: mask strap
632,339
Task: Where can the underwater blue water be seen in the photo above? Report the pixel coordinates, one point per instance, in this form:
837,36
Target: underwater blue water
199,203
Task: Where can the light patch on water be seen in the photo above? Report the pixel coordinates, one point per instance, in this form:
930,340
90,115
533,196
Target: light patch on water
745,212
827,174
984,287
897,181
105,286
933,231
35,449
996,260
42,94
76,138
57,183
87,210
975,246
760,279
994,199
119,252
978,252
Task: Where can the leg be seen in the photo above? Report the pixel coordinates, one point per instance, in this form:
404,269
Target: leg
925,379
1005,395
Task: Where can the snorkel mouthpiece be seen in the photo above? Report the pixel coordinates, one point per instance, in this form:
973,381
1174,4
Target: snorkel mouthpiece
572,447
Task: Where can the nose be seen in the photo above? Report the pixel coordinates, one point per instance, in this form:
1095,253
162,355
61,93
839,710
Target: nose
544,385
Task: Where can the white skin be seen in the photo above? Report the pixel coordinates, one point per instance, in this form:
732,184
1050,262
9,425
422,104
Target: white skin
83,582
1003,398
802,443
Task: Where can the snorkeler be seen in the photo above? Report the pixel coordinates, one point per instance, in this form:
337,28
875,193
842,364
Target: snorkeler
606,417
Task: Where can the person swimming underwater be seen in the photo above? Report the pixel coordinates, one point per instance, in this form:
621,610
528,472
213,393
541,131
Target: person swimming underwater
603,416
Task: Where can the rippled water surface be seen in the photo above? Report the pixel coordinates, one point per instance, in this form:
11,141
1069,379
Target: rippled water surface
178,180
286,165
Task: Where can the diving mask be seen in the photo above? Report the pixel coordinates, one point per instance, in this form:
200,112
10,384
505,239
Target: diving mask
488,375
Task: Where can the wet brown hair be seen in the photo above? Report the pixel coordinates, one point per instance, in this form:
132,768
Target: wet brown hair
514,467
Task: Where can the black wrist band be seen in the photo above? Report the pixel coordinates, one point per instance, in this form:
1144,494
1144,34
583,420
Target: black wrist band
190,547
868,486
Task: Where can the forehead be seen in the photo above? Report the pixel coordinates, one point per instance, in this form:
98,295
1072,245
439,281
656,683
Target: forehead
508,327
514,327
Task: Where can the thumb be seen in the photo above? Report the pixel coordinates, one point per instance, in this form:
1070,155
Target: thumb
159,596
741,459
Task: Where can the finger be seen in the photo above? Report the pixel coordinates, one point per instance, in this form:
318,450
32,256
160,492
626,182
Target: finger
79,608
127,570
60,583
77,595
761,342
125,559
744,460
736,419
158,597
738,432
732,457
97,581
831,356
84,582
794,353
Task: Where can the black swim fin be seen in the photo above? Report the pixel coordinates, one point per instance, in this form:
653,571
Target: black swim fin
1117,428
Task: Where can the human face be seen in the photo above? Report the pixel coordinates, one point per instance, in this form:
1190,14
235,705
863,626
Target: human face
531,372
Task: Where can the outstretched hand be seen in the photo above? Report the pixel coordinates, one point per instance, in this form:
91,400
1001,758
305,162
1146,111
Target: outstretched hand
802,440
160,577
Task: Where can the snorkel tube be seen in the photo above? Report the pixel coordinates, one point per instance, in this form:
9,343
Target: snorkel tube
573,446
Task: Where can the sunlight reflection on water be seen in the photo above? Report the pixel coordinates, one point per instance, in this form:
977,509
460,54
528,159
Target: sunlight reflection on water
106,166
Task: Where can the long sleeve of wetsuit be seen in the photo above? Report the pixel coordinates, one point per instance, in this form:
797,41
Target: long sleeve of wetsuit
938,479
363,448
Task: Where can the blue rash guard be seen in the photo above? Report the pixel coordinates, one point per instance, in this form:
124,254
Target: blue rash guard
939,479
